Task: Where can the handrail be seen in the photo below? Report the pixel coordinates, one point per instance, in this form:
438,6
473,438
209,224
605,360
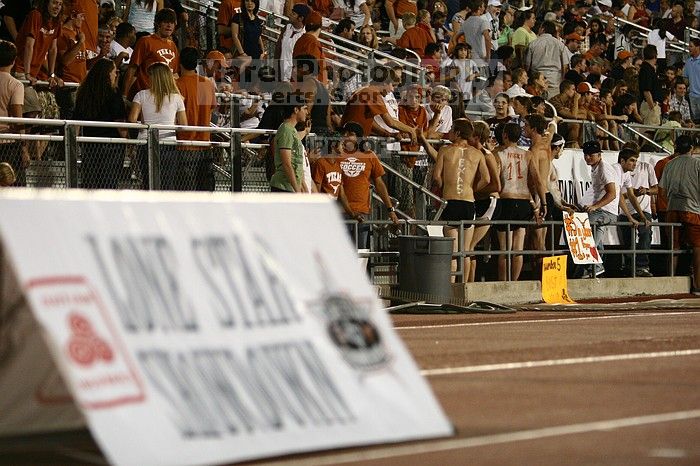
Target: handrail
647,31
628,127
46,83
419,187
640,126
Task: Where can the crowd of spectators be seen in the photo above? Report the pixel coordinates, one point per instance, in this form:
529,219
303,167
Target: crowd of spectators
497,79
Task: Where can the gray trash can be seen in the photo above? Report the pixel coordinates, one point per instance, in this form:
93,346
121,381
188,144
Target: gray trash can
424,266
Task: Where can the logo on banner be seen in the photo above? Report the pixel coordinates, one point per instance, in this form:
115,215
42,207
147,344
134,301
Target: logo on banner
85,347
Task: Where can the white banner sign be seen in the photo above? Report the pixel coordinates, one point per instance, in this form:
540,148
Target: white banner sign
579,237
197,329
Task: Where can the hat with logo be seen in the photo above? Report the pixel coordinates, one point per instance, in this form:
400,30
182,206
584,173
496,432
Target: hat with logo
591,147
494,3
624,55
584,87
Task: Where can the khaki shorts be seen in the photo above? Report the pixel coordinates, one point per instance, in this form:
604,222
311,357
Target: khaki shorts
650,116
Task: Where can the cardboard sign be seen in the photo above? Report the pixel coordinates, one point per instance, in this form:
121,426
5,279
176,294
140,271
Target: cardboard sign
211,329
554,285
579,237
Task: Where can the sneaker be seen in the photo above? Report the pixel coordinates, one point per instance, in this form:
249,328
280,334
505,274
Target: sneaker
644,273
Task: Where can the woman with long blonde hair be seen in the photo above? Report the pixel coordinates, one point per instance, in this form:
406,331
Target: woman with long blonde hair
160,104
368,37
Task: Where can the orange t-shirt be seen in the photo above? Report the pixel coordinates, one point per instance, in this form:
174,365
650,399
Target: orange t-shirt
199,94
75,71
415,119
363,105
359,169
43,34
226,11
327,174
152,49
325,7
415,39
661,200
308,44
405,6
89,27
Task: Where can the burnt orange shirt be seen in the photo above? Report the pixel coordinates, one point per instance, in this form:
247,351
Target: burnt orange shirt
198,93
308,44
152,49
325,7
75,71
359,169
415,39
226,11
328,175
661,200
363,105
43,33
417,118
405,6
89,27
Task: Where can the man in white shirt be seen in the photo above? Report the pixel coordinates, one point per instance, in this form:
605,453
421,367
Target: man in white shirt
605,184
492,15
291,33
120,49
639,177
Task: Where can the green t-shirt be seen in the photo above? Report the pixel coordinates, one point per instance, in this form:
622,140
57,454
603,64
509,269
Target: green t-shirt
287,138
523,37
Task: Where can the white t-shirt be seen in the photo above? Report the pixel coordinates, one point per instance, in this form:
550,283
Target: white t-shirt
289,39
171,105
660,43
601,175
392,108
466,68
115,48
445,122
643,177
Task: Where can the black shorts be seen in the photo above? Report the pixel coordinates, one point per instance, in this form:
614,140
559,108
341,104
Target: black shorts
553,212
456,211
484,209
516,210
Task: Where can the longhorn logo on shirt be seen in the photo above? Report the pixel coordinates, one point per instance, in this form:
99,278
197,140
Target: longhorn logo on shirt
167,55
352,167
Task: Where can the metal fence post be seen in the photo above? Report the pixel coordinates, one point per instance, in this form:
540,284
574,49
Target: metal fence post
70,145
236,162
153,159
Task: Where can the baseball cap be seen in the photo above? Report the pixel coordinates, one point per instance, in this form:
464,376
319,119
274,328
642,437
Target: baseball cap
314,18
624,55
591,147
494,3
352,127
607,3
301,9
216,55
574,36
586,87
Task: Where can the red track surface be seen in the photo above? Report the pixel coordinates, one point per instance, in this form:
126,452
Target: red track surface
637,405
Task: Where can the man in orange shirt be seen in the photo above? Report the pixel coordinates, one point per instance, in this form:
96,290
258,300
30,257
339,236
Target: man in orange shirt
395,9
308,44
91,10
36,39
72,61
368,101
413,38
199,94
227,9
156,48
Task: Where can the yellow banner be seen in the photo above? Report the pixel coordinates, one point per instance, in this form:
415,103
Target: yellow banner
554,289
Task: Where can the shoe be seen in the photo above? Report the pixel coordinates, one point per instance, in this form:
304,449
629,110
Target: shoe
644,273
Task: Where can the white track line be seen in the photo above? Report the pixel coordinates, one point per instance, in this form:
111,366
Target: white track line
536,321
557,362
486,440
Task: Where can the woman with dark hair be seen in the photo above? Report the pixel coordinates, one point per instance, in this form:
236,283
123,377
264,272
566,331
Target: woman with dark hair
37,41
246,32
141,13
98,99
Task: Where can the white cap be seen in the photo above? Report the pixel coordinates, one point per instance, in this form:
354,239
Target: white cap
494,3
607,3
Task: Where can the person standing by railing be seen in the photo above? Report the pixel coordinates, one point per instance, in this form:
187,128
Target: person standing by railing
227,9
159,104
98,99
246,32
37,40
15,153
89,26
156,48
289,151
308,44
72,60
691,71
290,35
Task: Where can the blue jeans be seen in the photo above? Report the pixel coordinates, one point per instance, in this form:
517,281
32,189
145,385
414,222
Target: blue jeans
695,107
644,240
599,220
